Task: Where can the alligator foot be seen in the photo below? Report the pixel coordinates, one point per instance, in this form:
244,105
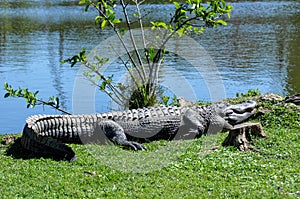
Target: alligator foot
115,133
133,145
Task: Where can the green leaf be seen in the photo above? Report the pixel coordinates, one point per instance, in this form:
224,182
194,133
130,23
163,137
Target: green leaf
165,100
57,102
6,95
159,24
122,31
36,92
180,31
199,30
86,8
221,22
102,86
98,19
5,85
176,4
82,2
116,21
103,24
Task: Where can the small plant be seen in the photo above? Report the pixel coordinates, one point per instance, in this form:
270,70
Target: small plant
250,93
173,102
191,16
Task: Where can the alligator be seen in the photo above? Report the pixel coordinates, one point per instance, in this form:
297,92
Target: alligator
47,134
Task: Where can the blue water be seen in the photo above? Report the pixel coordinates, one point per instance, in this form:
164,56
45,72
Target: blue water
258,49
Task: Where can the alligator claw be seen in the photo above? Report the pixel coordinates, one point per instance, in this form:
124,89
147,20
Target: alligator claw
74,158
134,145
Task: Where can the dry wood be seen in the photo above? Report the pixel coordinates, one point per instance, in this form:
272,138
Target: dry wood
240,136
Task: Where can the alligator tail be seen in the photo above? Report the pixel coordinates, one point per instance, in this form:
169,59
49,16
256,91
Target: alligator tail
46,146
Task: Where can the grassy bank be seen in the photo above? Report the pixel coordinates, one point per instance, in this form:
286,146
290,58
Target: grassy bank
177,169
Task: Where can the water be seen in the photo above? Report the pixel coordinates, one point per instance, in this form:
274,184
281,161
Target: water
258,49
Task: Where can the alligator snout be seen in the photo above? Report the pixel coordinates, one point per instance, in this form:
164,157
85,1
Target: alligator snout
238,113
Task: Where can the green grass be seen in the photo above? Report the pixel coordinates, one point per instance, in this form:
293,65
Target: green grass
177,169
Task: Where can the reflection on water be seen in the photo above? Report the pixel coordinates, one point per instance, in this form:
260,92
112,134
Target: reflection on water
258,49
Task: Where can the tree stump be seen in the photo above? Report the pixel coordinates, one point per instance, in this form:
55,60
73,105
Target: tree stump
240,136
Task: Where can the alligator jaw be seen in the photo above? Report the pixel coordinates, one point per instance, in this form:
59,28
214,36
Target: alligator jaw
236,114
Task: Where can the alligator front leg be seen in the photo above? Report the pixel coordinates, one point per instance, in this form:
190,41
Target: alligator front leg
115,133
192,125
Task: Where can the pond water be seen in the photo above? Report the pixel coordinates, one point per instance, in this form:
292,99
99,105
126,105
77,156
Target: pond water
259,49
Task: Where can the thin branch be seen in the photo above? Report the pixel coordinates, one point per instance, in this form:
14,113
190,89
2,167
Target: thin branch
117,93
125,64
119,37
53,106
143,74
142,32
116,99
156,77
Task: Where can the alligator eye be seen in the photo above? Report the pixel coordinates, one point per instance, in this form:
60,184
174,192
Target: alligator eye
229,112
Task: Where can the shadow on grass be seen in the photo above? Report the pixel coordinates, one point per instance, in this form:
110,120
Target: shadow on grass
16,151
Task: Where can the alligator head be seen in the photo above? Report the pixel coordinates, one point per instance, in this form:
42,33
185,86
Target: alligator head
235,114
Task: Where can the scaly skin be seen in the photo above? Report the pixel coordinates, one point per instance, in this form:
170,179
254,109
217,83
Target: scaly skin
45,134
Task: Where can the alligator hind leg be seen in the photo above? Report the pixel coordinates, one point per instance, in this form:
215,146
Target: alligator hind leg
46,146
115,133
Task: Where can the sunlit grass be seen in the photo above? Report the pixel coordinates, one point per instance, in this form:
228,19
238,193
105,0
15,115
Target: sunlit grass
178,169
